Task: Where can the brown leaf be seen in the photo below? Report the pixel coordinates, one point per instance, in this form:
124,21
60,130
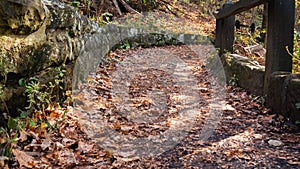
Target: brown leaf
23,136
67,157
294,162
23,158
46,142
2,162
3,140
68,142
228,107
235,153
268,119
84,147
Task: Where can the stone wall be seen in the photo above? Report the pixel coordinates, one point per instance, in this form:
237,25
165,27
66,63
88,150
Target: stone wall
248,73
35,36
40,34
284,94
283,90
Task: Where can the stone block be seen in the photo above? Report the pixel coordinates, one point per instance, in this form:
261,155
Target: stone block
249,74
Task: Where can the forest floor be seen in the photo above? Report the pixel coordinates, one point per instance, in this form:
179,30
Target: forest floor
248,135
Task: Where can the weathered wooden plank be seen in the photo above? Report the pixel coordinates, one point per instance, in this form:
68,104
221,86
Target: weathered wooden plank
225,32
238,7
280,35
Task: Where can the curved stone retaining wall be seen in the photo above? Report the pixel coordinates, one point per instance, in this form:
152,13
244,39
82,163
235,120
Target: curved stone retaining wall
59,36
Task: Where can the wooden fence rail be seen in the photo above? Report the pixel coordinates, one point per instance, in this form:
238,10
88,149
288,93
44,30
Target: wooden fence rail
239,7
281,87
280,32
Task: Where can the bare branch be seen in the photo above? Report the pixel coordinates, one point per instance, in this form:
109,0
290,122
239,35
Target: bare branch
127,7
117,6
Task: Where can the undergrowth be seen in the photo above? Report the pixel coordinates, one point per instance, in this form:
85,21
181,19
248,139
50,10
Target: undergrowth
42,99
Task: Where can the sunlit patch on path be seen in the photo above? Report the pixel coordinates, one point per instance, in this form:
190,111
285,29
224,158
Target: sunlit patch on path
142,102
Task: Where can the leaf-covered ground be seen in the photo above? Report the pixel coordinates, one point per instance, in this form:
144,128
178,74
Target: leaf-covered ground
248,135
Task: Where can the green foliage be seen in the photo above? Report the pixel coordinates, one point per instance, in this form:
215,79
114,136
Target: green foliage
41,95
12,123
84,6
228,58
296,54
21,122
160,42
75,4
247,39
6,143
105,18
35,95
125,45
186,1
298,105
234,80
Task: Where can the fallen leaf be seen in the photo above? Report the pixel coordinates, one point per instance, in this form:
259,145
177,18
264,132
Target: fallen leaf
229,108
84,147
46,142
294,162
68,142
23,158
268,119
2,162
23,136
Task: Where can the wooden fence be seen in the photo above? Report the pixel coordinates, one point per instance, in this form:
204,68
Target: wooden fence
280,31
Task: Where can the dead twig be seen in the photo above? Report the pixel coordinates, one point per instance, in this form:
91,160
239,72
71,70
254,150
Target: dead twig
3,102
127,7
117,6
100,7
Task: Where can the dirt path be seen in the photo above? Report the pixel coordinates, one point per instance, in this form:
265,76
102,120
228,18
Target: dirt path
170,115
248,135
158,123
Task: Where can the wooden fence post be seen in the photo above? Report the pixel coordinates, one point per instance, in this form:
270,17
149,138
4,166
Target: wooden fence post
225,32
280,34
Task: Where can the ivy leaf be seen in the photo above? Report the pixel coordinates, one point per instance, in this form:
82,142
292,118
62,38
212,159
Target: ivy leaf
298,105
23,115
32,123
22,82
12,123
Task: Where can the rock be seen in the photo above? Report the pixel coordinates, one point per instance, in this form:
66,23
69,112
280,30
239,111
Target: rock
21,17
275,143
293,97
37,35
249,74
283,94
257,50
